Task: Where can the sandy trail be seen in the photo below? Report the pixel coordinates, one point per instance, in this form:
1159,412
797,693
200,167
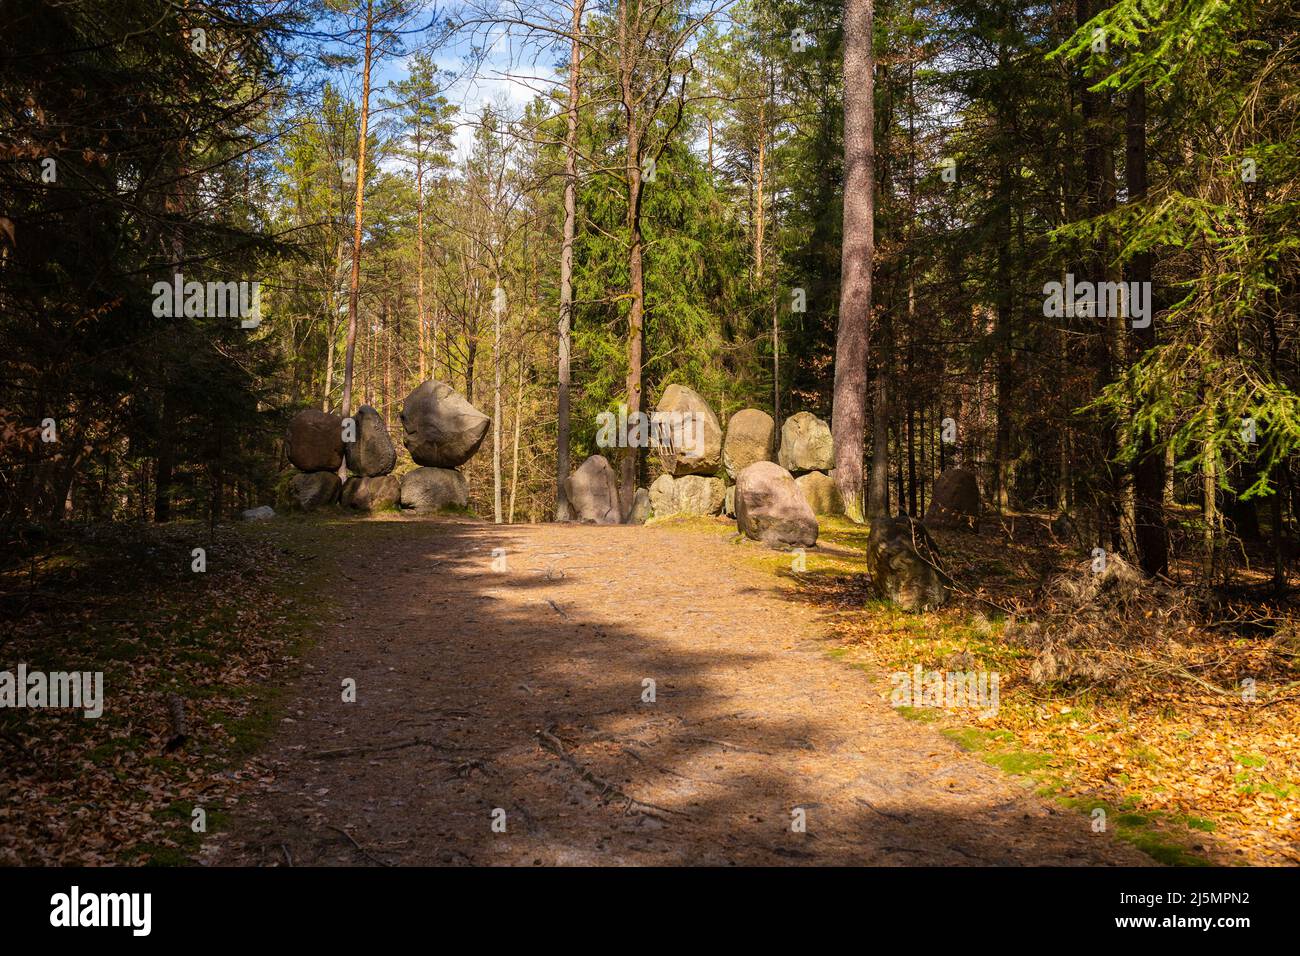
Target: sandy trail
522,690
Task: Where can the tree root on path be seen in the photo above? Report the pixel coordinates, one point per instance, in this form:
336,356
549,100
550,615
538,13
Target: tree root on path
362,850
548,741
401,745
901,818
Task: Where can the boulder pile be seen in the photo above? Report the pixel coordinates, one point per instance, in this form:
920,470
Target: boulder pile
442,431
689,436
807,451
751,437
370,457
314,445
690,447
770,507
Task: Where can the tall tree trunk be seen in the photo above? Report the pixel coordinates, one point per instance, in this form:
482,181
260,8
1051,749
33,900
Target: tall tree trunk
911,455
878,487
848,413
628,65
419,251
1149,466
566,262
514,467
162,493
354,284
496,405
760,185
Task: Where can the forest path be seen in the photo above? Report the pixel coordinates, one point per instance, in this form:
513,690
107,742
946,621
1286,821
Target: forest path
522,690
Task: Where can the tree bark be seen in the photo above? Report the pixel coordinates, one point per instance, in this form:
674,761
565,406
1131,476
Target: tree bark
566,263
419,248
628,65
1149,466
354,284
848,413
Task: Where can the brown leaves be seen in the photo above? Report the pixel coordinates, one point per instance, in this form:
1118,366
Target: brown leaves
123,600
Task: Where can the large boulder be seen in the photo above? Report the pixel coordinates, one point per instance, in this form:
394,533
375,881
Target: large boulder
904,564
729,502
806,444
314,441
751,437
313,489
641,510
430,490
592,491
688,434
687,495
771,508
372,453
955,501
442,429
261,513
821,493
372,492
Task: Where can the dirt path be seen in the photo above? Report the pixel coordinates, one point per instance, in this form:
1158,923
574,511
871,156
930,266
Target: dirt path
522,690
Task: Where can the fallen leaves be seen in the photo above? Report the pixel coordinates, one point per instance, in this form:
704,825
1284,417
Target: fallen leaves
122,600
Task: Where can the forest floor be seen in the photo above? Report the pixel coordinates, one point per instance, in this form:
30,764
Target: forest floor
501,678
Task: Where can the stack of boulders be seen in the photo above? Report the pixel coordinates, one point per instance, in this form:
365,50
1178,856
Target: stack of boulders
751,437
318,443
690,451
693,453
442,432
771,509
807,451
370,457
768,504
314,444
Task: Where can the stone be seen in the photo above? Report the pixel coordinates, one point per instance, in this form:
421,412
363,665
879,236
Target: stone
770,507
806,444
372,492
751,437
955,501
372,454
310,490
729,502
821,493
687,432
442,430
263,513
430,490
641,509
903,560
314,441
687,495
592,491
